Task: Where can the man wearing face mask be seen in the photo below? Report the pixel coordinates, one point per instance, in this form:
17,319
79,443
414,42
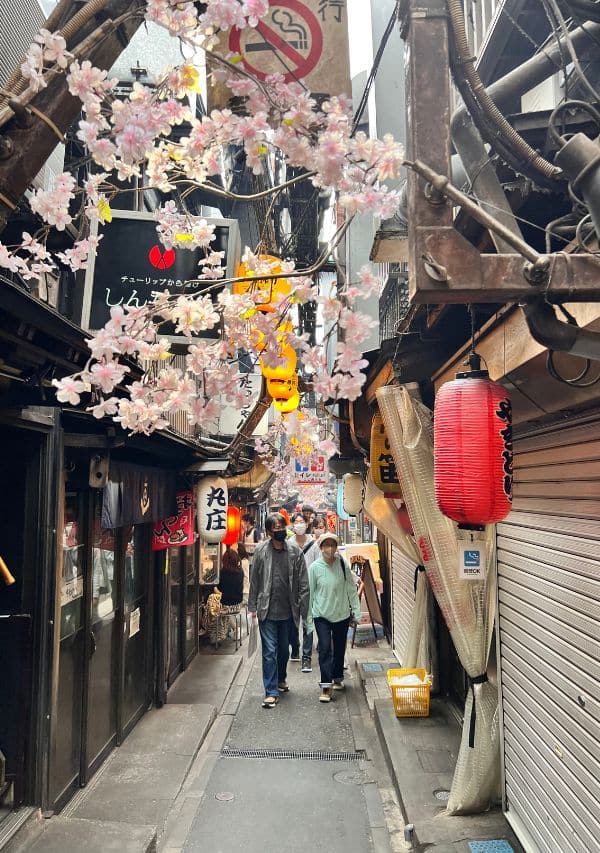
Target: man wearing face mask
311,552
334,605
278,594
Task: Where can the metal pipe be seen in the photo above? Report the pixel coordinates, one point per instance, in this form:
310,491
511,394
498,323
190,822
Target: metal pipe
555,334
442,185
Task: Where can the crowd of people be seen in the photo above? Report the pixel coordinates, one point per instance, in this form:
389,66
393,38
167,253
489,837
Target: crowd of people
300,585
296,584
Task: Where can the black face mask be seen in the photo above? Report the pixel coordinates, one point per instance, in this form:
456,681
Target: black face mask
279,535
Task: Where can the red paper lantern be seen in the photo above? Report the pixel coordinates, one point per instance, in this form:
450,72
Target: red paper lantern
234,523
473,449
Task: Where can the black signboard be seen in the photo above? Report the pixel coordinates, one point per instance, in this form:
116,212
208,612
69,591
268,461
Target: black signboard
131,265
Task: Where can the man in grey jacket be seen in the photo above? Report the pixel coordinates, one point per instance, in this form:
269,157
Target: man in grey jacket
278,590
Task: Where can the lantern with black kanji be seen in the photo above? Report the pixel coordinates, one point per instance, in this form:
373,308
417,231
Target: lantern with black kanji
211,506
473,448
383,467
234,523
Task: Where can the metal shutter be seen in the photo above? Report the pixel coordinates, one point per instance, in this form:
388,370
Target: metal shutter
403,597
19,25
549,629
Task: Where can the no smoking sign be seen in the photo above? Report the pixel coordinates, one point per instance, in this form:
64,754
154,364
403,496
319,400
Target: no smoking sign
288,41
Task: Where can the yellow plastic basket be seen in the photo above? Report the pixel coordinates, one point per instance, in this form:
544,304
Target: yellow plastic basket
410,700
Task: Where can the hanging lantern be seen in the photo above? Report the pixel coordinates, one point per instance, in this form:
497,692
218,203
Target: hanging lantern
234,524
286,367
383,467
211,503
282,389
353,493
265,290
258,338
473,448
342,515
287,406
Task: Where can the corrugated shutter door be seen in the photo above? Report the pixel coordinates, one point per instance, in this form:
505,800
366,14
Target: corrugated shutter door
403,572
549,622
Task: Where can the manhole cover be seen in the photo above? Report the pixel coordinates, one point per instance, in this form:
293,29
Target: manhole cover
224,796
353,777
494,845
442,794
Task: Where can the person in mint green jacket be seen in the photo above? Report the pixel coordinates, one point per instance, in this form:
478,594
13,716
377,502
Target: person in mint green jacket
334,605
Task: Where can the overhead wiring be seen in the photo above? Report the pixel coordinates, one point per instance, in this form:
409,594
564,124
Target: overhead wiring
374,68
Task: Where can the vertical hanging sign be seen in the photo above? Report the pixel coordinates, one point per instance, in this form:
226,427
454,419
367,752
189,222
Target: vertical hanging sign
177,529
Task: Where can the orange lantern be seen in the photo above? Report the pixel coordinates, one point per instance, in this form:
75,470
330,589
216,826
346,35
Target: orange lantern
259,337
264,289
282,389
234,523
286,369
289,405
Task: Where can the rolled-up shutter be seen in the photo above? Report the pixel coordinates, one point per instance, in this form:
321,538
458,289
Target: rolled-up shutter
549,628
403,572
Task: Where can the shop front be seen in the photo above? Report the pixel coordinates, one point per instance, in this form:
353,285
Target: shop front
105,605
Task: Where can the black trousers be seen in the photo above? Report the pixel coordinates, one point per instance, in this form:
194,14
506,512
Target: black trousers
332,647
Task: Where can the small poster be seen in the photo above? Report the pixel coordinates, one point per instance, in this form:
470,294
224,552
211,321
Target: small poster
71,590
134,622
472,562
177,529
316,473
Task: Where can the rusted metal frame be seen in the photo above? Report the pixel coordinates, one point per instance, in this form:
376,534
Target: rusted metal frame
443,266
465,275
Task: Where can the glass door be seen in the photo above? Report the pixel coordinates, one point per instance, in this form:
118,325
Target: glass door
176,590
137,630
190,560
103,670
66,753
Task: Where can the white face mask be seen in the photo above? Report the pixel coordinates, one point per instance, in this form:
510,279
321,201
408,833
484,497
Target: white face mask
300,528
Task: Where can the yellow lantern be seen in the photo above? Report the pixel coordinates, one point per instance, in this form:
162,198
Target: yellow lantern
286,369
284,328
282,389
287,406
383,468
265,289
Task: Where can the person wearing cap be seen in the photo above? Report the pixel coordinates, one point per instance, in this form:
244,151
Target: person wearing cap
334,604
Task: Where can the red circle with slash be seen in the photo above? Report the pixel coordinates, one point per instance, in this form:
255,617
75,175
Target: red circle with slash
302,65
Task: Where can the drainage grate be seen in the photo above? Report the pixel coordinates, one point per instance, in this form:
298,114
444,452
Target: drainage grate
306,755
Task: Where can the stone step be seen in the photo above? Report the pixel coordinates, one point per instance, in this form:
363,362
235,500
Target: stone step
72,835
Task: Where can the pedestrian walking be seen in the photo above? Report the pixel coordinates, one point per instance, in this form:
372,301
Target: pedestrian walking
278,591
311,552
250,535
334,605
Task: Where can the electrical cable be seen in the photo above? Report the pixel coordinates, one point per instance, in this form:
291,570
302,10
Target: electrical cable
472,89
554,7
374,68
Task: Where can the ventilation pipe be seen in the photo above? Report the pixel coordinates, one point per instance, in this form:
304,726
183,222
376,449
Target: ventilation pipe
544,326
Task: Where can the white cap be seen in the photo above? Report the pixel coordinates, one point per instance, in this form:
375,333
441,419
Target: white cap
325,536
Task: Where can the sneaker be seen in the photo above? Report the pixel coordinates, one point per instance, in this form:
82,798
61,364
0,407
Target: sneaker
270,701
325,695
338,685
283,687
295,656
306,665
